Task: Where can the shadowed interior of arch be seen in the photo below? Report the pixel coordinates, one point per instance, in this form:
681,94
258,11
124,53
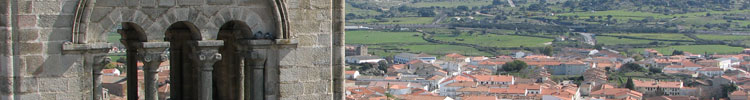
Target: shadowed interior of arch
228,75
185,68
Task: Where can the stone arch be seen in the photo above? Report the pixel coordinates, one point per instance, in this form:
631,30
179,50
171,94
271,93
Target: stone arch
228,71
185,72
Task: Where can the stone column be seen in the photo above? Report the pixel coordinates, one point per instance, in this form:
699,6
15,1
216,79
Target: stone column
100,62
338,49
254,52
208,55
152,55
95,57
152,58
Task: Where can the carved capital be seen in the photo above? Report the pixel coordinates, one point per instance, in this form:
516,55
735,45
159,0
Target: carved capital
148,57
100,61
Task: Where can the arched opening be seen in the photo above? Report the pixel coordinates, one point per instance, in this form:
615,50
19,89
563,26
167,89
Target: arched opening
130,35
184,70
227,73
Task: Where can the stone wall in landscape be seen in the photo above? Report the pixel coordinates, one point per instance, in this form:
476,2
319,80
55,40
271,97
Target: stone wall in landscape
33,64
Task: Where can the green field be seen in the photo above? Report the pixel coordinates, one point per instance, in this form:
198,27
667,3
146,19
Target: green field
723,37
360,12
492,40
661,36
378,37
397,20
607,40
445,49
452,4
699,49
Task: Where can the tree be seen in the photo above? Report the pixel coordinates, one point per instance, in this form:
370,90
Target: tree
598,46
632,67
514,66
708,14
728,89
549,50
630,85
678,52
463,8
609,17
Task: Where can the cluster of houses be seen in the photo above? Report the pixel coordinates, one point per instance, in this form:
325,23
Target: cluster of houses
114,82
458,77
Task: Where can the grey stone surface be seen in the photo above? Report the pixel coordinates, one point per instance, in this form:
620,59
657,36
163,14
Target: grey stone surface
46,7
55,20
166,3
190,2
25,48
148,3
27,21
24,7
26,35
219,2
109,3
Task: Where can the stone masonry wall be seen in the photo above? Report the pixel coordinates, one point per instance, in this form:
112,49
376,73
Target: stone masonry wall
37,67
306,71
34,66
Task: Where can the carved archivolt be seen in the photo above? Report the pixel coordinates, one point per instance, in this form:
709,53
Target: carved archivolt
84,9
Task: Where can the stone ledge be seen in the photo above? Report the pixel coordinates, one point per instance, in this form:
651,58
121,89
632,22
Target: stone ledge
155,44
287,41
210,43
88,46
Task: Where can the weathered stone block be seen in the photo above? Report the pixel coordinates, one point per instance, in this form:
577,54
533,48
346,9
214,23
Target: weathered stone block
307,40
25,35
166,2
69,7
34,64
154,12
321,4
26,84
52,84
4,20
219,2
24,7
291,89
27,21
110,3
4,6
25,48
46,7
58,34
190,2
289,74
131,3
30,96
319,87
99,13
148,3
56,20
5,69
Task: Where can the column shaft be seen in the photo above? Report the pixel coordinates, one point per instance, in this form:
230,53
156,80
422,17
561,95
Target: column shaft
151,80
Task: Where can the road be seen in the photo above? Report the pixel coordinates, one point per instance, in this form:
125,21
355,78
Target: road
588,39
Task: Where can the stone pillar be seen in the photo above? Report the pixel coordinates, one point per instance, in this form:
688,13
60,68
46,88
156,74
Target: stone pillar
95,57
338,49
100,61
152,58
208,55
254,52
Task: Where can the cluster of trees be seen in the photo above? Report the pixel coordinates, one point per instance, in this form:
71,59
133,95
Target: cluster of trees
657,6
517,26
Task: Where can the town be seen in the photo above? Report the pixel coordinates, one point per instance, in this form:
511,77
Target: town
570,74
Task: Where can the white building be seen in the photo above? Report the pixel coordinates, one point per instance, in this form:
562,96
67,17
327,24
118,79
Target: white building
403,58
363,59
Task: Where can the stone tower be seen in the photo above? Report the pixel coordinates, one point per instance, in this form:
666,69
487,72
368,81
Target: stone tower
217,49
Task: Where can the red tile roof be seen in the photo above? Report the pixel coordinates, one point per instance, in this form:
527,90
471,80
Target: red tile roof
662,84
494,78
